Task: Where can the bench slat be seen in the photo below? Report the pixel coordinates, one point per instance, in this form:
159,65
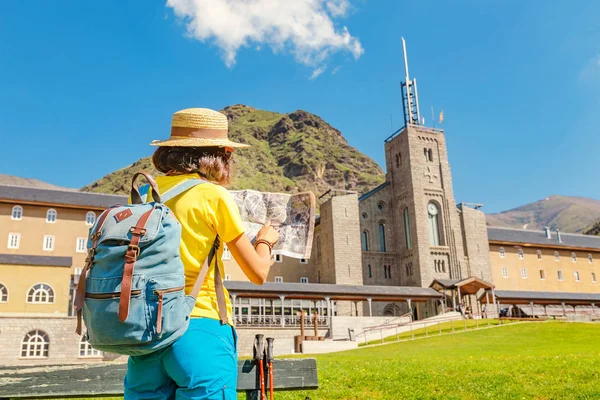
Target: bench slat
106,379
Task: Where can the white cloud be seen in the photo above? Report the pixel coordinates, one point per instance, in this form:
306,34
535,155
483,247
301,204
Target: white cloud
317,72
336,70
304,28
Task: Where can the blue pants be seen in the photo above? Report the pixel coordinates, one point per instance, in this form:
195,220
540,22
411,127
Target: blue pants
201,365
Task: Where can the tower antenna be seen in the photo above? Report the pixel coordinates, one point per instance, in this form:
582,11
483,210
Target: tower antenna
410,95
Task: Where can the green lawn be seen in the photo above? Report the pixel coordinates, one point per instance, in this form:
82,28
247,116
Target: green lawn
541,360
442,327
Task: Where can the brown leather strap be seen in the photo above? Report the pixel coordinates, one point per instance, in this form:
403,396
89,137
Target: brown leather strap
131,256
89,261
136,197
219,289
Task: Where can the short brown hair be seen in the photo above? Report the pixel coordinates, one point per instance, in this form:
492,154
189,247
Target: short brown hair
214,164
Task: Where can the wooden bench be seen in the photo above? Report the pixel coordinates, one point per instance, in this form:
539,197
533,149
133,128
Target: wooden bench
106,379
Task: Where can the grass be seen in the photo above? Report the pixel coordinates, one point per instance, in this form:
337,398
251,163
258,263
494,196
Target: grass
433,330
548,360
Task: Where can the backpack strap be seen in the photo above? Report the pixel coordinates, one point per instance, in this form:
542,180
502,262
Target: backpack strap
219,288
171,193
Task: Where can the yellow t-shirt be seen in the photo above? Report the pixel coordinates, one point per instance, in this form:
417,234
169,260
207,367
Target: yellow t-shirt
203,211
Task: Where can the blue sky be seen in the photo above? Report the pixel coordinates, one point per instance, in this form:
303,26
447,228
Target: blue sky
85,86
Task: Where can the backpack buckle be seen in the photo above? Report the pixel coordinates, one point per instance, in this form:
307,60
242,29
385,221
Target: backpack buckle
134,248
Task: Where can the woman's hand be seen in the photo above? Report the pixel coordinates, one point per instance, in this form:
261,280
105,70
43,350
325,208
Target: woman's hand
268,233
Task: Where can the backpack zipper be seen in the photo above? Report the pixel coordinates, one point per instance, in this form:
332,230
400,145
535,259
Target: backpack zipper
110,295
160,294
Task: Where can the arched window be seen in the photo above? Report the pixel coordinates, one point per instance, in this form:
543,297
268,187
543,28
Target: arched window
573,257
90,218
86,349
382,246
434,228
35,345
385,271
380,205
364,216
521,254
389,268
369,271
407,229
556,256
17,213
397,160
539,254
51,216
593,277
3,293
40,293
502,252
365,241
590,259
426,154
430,154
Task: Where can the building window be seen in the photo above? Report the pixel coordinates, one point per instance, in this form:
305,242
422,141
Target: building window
279,279
40,294
573,257
542,274
364,216
14,240
430,154
48,243
556,256
380,206
593,277
226,253
369,271
17,213
304,279
504,272
521,254
365,241
559,274
590,259
389,271
382,246
303,261
90,218
86,349
407,229
502,252
409,269
434,228
539,254
3,293
385,271
576,275
278,258
35,345
318,246
426,155
51,216
524,273
227,277
81,245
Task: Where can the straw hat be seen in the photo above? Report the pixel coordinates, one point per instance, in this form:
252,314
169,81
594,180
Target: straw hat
198,127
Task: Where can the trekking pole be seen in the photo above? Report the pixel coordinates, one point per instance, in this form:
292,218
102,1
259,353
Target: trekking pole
259,350
270,357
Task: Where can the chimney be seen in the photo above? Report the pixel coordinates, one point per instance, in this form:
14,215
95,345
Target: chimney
558,236
548,235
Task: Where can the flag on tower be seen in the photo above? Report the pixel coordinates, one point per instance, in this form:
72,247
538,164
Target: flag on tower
442,116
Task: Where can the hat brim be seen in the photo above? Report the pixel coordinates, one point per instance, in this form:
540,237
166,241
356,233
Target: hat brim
198,142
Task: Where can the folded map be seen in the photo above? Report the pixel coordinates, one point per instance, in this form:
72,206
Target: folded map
292,215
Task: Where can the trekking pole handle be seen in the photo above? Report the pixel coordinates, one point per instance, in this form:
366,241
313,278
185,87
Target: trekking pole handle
270,354
259,347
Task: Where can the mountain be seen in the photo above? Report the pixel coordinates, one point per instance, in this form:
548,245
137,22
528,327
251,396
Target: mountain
569,214
11,180
291,153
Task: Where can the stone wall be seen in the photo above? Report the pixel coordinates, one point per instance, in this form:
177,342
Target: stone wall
63,341
282,345
476,244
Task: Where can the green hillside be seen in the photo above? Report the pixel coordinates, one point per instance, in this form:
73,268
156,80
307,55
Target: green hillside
290,153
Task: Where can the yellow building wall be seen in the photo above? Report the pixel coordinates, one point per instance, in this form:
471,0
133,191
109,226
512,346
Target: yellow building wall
20,278
547,263
290,269
70,224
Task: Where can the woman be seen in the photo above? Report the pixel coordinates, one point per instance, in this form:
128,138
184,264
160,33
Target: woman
202,364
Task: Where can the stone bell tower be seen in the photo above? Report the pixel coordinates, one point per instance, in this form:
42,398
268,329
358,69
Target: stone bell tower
429,243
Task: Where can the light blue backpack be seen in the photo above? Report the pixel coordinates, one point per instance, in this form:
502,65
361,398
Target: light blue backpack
131,290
